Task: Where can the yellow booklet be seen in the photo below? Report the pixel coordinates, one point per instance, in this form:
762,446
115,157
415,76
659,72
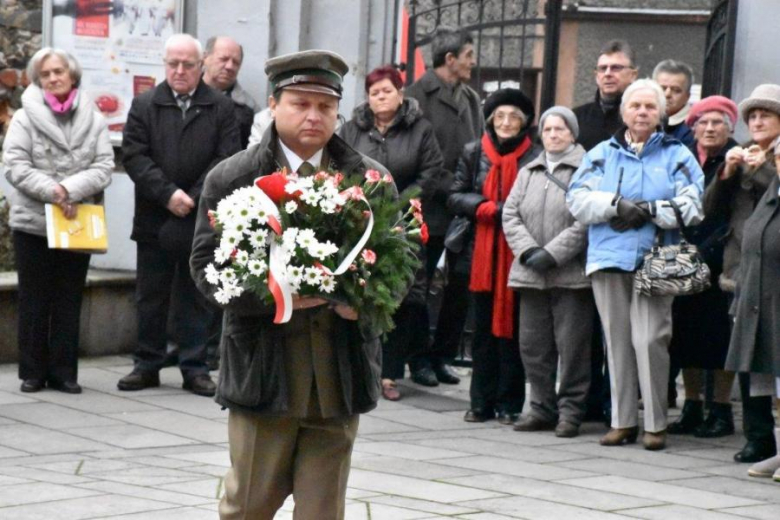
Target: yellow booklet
86,232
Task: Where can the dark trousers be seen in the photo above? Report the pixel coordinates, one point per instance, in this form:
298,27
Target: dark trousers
498,378
408,338
51,284
162,276
758,423
599,396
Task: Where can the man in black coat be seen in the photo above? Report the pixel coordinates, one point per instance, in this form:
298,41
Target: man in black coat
615,71
174,135
454,110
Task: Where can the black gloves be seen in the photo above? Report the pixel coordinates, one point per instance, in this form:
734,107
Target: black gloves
539,260
631,215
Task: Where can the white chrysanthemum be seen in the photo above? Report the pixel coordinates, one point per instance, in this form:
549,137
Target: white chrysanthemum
233,289
322,250
221,255
222,297
306,238
305,183
294,273
227,277
242,257
212,274
257,238
328,284
310,197
328,206
312,276
230,239
288,238
290,207
257,267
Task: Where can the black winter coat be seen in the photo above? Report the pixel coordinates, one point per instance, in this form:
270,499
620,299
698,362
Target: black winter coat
700,322
455,124
595,124
466,193
163,152
253,366
410,152
408,149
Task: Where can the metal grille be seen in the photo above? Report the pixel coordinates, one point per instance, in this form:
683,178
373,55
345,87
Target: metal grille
516,41
719,51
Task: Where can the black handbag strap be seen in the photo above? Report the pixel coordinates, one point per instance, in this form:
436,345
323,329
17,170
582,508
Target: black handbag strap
678,216
556,181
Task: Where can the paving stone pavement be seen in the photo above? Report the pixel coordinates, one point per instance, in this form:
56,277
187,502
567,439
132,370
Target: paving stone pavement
161,454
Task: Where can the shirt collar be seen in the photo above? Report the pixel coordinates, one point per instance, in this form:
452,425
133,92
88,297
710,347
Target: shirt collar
295,162
190,93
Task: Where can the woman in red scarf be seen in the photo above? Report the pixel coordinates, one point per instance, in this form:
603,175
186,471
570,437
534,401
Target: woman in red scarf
483,180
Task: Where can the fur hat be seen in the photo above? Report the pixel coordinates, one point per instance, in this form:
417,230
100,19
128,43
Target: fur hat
564,113
510,96
766,96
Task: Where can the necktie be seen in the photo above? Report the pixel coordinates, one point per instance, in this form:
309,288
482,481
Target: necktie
305,169
183,100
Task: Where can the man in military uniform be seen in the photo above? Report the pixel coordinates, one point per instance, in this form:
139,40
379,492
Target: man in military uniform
294,391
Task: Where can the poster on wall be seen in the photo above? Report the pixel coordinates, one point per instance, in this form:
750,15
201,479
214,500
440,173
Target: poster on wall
119,44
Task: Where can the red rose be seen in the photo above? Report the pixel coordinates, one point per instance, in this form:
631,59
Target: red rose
424,233
273,186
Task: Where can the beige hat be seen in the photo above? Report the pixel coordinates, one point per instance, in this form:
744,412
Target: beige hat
308,71
766,96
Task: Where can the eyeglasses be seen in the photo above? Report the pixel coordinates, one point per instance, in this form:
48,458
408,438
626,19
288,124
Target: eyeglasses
616,68
715,123
186,65
512,117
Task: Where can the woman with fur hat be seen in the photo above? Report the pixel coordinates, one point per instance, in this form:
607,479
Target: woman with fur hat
748,172
484,177
556,302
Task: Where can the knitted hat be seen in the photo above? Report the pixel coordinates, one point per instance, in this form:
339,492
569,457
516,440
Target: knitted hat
564,113
712,104
509,96
766,96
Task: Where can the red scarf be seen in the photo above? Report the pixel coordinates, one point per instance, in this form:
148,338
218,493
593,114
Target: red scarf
492,256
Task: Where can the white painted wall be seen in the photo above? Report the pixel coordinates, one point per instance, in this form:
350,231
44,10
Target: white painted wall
756,57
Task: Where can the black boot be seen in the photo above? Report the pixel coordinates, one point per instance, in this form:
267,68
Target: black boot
691,417
719,423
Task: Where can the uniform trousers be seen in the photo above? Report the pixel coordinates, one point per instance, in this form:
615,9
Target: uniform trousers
272,457
638,330
557,324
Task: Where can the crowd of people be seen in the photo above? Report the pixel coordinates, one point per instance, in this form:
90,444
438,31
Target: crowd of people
541,227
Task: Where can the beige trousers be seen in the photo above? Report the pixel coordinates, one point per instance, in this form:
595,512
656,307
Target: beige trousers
637,330
272,457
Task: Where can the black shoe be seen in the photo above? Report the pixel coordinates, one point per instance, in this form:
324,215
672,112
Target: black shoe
756,451
479,415
719,423
32,385
69,387
213,364
691,418
445,374
138,380
507,418
425,376
531,423
200,384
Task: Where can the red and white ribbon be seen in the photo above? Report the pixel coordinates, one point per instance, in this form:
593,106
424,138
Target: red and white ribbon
277,269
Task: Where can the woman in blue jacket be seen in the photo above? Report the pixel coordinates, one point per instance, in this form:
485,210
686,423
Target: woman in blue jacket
623,191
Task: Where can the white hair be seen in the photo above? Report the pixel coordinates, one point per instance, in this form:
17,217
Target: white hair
644,84
34,66
180,38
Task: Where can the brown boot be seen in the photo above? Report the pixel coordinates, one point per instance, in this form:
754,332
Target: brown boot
618,436
654,440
